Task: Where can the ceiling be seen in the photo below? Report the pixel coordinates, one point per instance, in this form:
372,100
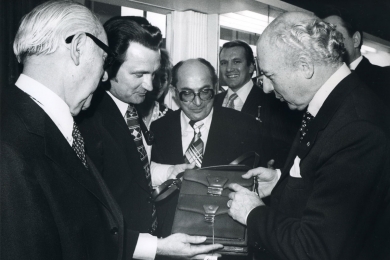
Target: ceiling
373,16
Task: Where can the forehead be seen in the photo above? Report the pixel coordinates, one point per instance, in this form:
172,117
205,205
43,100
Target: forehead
265,54
193,75
139,56
236,52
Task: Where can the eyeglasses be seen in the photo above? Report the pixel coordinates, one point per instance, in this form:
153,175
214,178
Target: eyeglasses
188,95
111,54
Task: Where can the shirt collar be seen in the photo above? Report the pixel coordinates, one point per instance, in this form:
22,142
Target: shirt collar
122,106
355,63
185,121
243,92
50,102
323,93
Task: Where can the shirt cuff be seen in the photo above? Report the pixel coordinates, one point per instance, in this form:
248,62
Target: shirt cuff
159,173
146,247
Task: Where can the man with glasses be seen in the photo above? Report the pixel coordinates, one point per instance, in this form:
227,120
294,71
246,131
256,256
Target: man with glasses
113,137
54,204
198,133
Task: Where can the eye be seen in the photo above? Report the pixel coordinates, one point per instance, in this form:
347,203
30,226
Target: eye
138,75
205,90
237,61
223,63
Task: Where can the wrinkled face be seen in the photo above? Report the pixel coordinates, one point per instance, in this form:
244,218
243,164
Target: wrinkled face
348,40
91,66
134,77
234,67
194,76
279,77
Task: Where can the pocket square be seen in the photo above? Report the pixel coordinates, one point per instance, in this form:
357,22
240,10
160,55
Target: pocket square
295,171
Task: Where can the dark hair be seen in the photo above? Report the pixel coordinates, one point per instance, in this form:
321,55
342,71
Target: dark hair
166,64
347,19
121,31
250,59
176,68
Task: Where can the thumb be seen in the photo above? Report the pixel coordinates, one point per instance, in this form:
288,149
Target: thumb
188,166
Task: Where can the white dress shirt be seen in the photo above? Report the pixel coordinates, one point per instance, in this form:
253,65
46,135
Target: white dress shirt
355,63
146,247
160,172
50,102
242,95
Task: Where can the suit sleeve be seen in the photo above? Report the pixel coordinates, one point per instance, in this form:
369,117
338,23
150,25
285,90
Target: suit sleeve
345,193
28,229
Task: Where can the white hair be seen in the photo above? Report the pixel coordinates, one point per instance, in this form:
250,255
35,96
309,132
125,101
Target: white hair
41,31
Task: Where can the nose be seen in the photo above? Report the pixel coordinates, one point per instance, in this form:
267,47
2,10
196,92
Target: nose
267,85
197,101
229,66
148,82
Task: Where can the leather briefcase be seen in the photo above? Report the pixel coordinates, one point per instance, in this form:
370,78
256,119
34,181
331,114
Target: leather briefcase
202,206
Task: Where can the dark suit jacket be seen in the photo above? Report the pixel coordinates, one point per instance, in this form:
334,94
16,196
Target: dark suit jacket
376,78
279,124
331,210
111,147
231,134
51,206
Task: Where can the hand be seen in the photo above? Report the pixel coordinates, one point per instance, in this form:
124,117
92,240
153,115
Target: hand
243,201
174,170
180,245
266,178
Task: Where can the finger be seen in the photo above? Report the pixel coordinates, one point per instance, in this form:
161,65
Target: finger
253,172
236,187
194,239
207,256
231,195
202,249
270,164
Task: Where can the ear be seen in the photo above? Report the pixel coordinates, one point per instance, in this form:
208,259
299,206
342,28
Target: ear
76,47
251,68
175,96
105,76
357,38
306,66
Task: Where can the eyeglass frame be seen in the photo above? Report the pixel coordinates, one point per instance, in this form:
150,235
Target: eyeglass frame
111,55
181,93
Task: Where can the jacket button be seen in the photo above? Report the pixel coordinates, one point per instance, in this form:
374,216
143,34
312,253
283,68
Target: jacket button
114,231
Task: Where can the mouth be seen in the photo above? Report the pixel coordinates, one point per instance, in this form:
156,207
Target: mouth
232,76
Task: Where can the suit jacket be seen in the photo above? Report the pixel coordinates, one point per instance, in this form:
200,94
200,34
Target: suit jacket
111,147
279,124
51,206
231,134
376,78
330,212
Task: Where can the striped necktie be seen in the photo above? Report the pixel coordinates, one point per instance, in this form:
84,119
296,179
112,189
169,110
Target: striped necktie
194,152
135,131
230,103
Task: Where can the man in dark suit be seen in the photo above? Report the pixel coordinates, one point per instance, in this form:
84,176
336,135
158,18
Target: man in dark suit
375,77
332,190
113,135
225,134
279,124
54,204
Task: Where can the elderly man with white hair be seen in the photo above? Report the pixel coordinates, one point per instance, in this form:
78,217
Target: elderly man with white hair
54,203
332,191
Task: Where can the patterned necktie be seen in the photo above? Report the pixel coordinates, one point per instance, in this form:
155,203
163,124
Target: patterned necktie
194,152
78,144
307,117
135,131
230,103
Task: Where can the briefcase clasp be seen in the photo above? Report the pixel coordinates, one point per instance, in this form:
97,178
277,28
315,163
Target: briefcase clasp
216,185
210,211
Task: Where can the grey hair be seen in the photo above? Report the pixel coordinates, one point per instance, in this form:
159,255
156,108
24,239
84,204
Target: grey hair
41,31
313,38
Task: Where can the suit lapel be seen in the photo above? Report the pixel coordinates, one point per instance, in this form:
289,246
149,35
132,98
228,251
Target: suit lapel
175,141
215,137
115,124
252,102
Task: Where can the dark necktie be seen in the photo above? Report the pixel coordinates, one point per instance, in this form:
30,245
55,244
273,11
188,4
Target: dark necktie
230,103
135,131
194,152
78,144
307,117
